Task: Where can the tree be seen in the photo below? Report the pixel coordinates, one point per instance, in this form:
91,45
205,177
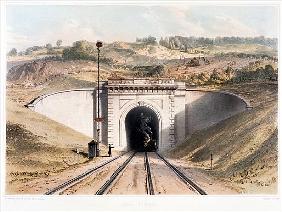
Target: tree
21,53
269,72
161,42
28,51
59,43
151,40
148,40
49,46
13,52
229,72
269,68
80,50
83,46
215,76
177,42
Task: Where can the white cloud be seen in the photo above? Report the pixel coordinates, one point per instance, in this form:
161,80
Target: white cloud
77,31
15,40
228,26
70,31
127,23
180,12
172,21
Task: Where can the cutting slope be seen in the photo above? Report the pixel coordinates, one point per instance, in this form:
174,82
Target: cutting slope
244,149
37,147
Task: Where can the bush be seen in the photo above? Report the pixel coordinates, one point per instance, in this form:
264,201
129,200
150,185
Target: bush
266,73
81,50
49,46
215,76
84,50
148,71
74,54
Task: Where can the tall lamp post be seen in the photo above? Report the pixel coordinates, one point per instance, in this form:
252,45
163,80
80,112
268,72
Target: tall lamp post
98,119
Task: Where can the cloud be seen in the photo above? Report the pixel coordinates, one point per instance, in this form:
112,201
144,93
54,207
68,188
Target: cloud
228,26
74,30
172,21
110,23
69,31
180,12
194,22
15,40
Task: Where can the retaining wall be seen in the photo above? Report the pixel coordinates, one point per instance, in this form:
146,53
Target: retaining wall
74,108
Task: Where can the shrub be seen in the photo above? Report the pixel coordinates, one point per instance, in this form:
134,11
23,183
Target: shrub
80,50
148,71
266,73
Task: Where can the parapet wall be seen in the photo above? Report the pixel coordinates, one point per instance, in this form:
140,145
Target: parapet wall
74,108
205,108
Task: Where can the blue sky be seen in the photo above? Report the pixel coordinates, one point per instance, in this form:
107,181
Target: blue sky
29,25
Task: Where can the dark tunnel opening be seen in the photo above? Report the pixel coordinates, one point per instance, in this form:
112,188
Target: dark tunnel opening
142,129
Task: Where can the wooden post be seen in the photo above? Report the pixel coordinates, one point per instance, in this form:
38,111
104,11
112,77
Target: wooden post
211,161
77,155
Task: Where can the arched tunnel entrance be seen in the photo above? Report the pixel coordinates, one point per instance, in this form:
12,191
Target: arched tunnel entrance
142,129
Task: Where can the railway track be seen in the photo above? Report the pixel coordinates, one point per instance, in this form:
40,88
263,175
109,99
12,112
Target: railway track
80,177
182,176
149,183
110,181
114,177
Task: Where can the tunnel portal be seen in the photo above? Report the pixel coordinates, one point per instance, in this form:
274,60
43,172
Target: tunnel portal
142,129
176,111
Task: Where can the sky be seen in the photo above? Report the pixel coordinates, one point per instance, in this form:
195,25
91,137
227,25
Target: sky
30,25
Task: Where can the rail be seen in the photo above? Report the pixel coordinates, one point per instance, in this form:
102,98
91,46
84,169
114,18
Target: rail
182,176
108,183
81,176
149,183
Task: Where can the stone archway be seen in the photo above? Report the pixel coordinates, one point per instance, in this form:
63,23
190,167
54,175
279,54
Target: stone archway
180,111
142,129
123,138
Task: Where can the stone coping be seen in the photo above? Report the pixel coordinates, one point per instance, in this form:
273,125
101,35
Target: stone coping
39,98
248,104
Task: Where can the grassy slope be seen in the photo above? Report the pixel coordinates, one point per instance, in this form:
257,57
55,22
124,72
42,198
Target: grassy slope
36,145
244,148
133,52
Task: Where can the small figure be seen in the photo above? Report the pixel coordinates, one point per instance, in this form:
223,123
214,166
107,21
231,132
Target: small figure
110,150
